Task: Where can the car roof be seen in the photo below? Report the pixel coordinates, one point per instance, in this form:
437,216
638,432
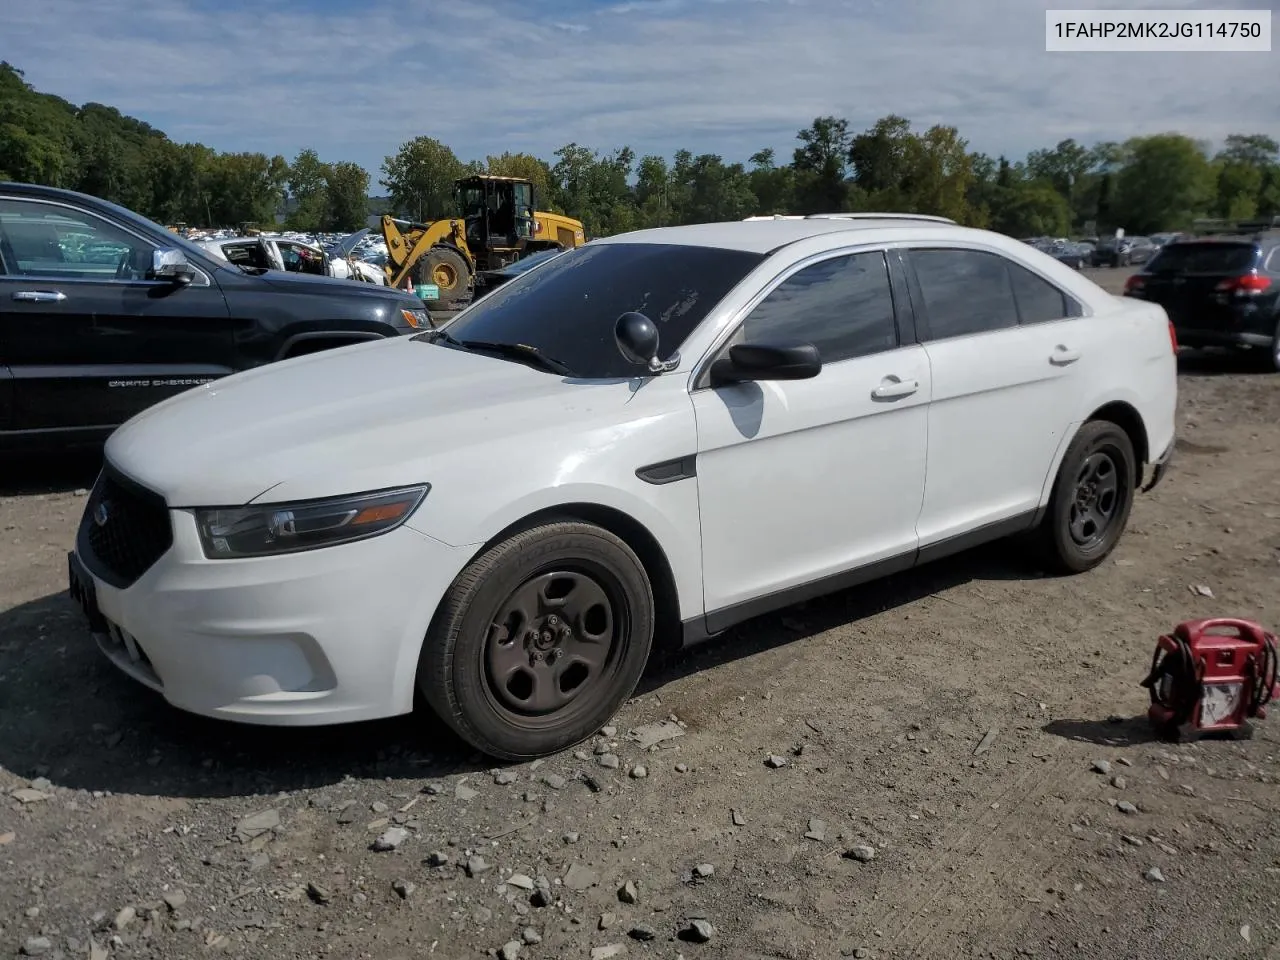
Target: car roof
765,236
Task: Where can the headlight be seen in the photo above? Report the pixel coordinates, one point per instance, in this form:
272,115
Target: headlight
273,528
418,319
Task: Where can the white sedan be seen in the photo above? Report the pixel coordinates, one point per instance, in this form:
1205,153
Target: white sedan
643,441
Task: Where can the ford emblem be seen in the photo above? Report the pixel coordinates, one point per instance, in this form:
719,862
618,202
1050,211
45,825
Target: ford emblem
102,513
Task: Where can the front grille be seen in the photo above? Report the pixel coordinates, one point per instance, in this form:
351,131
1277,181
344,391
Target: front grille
125,529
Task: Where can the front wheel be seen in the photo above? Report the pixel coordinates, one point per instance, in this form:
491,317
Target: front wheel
1091,499
539,641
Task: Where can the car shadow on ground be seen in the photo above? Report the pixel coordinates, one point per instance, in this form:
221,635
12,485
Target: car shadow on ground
1220,363
1109,732
68,715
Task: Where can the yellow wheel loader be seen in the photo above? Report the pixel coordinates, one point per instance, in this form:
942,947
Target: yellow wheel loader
496,225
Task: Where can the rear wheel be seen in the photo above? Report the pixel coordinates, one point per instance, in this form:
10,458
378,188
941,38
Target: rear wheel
1273,355
539,641
1091,498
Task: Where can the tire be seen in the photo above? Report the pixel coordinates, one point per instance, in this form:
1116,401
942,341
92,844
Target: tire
1072,541
447,269
1272,361
469,647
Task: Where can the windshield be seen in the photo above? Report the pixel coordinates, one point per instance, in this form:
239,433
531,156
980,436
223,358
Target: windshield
1214,257
567,307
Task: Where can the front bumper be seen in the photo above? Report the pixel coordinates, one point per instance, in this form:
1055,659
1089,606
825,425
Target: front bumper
316,637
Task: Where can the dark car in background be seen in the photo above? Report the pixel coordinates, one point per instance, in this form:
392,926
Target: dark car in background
1123,252
104,313
1219,291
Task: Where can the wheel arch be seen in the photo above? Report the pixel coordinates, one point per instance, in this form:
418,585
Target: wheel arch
631,532
1127,418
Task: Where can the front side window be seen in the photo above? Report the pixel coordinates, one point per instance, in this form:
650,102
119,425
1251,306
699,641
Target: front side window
965,292
50,240
843,306
567,307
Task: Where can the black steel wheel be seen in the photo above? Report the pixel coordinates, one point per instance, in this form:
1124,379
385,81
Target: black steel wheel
539,641
1091,499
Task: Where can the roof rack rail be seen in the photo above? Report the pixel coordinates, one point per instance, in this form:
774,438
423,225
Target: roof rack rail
926,217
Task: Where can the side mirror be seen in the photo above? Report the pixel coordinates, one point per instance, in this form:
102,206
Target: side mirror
778,360
637,340
170,263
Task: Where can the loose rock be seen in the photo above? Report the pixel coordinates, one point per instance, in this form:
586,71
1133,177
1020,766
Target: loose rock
175,899
505,778
404,888
28,795
608,951
817,830
642,931
609,761
318,893
36,946
438,859
1154,875
1102,766
699,931
639,771
477,866
651,734
738,819
682,768
628,893
1119,782
257,824
606,921
775,761
510,950
554,781
530,936
463,792
704,870
862,853
520,881
125,917
579,877
1124,806
390,840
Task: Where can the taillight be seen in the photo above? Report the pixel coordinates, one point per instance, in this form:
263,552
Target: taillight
1173,337
1135,283
1249,283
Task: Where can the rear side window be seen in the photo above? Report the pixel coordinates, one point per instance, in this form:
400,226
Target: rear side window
843,306
1039,300
965,292
1214,257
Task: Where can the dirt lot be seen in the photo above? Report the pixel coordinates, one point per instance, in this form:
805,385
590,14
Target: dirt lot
134,842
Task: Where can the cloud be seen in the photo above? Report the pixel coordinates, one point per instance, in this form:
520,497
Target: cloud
717,76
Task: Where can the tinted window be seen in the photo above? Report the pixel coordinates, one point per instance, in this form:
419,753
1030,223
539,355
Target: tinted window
54,241
1273,260
568,306
1211,257
965,292
1038,299
843,306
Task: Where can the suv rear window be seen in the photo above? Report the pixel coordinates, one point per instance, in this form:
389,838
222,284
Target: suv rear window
1214,257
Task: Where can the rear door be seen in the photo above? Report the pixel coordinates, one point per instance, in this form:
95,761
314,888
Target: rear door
88,340
1006,350
1184,279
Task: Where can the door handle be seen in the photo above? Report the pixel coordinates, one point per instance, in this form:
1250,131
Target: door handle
1061,355
40,296
891,388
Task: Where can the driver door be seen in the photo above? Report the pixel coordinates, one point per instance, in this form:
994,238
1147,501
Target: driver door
88,340
819,481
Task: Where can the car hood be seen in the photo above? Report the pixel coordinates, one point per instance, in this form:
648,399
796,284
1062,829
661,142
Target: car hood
329,286
340,421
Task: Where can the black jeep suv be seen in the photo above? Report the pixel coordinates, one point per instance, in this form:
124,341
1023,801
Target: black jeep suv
103,313
1221,290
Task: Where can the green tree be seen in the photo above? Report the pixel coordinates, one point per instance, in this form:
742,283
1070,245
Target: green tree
1165,183
347,190
820,163
420,177
309,191
534,169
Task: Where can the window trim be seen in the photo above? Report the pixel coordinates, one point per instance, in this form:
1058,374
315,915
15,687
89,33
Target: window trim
202,279
1272,263
924,330
700,376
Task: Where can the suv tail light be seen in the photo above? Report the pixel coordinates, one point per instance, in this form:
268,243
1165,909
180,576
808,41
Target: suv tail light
1248,284
1173,337
1135,284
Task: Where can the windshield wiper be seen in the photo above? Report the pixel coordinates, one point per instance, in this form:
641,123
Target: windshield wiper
436,333
520,351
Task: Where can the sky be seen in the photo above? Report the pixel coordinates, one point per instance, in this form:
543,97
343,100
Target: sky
354,80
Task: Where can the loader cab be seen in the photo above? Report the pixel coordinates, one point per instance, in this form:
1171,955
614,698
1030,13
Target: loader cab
497,211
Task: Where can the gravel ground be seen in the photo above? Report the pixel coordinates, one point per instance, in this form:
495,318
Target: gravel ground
948,763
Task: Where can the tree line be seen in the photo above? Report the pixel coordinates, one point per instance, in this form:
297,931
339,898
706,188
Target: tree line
1143,184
